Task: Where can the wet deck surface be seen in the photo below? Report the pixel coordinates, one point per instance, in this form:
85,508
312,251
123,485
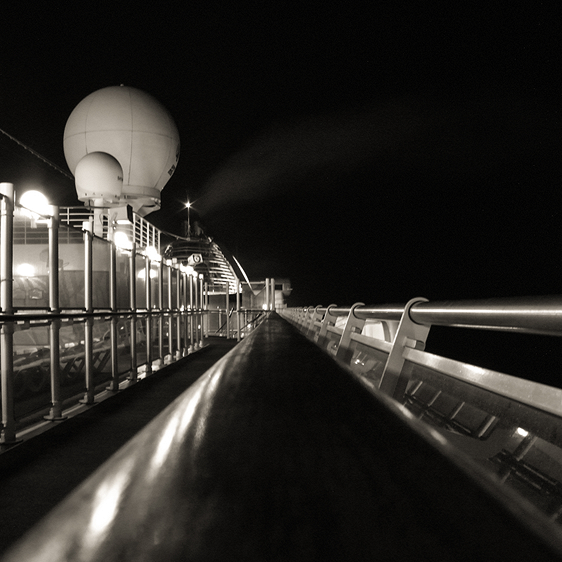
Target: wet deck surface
38,474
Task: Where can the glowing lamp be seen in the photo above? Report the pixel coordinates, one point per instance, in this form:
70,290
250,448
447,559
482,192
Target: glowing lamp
35,202
122,241
142,273
25,270
153,254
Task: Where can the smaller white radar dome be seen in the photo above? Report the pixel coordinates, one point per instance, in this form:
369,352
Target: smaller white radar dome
98,176
136,130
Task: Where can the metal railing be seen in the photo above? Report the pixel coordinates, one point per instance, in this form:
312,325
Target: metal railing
80,316
509,425
400,333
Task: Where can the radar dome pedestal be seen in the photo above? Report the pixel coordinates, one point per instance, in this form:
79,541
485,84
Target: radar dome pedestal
122,147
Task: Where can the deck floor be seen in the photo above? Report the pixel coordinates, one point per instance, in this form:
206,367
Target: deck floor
37,474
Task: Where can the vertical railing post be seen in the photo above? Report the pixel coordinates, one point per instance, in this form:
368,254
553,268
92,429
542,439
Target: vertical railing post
327,321
6,239
206,317
201,342
393,381
148,323
114,323
315,316
185,309
178,321
133,306
237,309
170,313
227,305
267,303
197,344
191,344
304,319
353,325
88,227
161,313
55,413
8,434
272,294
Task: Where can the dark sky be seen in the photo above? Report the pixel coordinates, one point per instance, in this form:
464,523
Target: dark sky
367,154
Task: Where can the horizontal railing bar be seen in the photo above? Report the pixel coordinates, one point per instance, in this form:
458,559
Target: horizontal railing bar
532,315
384,312
108,313
540,315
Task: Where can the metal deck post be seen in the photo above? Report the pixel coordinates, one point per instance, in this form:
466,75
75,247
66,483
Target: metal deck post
8,434
55,413
133,307
113,334
89,322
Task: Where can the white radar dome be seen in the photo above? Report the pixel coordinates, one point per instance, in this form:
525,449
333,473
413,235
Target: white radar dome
135,130
99,176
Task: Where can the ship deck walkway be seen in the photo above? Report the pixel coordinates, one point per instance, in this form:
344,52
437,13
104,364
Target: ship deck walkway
37,474
277,453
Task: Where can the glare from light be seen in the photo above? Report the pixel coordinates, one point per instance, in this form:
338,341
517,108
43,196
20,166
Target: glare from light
122,241
522,432
153,254
25,270
153,273
36,202
106,504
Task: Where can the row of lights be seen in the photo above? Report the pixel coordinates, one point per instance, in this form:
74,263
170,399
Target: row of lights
36,205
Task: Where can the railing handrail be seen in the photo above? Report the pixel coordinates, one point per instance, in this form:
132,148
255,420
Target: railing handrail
532,315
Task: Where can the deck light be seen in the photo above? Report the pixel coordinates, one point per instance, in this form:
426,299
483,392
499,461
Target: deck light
122,241
36,205
25,270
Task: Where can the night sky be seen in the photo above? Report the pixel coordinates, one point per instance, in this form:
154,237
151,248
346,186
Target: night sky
368,155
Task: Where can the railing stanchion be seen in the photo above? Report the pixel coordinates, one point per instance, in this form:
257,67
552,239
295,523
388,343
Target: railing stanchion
6,241
316,316
114,323
178,321
191,344
55,413
328,320
237,309
170,313
353,325
206,317
227,305
148,323
185,314
161,313
267,297
133,306
8,434
201,343
393,381
88,305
